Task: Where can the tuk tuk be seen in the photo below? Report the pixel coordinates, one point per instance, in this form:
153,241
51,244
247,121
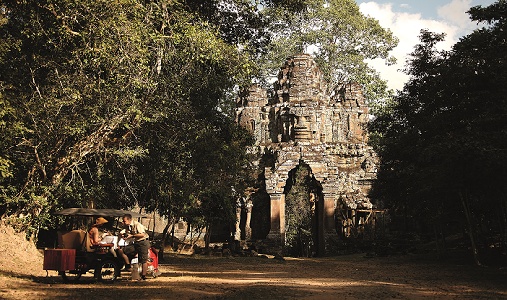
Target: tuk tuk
75,256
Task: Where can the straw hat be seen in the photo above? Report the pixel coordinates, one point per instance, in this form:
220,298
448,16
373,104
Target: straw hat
100,221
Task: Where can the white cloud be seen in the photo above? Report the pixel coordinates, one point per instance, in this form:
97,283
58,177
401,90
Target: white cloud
455,13
407,27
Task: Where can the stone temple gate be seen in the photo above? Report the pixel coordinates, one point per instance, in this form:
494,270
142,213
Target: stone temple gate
300,122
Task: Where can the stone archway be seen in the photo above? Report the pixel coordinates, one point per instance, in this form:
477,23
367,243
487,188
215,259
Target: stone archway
277,188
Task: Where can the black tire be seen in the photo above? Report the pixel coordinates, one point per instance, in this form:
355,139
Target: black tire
71,276
108,271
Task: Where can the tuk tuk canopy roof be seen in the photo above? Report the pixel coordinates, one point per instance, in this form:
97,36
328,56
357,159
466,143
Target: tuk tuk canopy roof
98,212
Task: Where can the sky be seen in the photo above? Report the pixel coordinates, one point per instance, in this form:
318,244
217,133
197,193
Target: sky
405,18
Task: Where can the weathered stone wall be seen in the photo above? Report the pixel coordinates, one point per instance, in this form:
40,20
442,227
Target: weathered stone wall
303,122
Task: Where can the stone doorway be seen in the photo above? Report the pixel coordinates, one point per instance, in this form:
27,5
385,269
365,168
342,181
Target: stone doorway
303,212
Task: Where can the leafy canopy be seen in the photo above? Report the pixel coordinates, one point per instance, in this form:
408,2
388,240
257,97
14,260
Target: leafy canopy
442,140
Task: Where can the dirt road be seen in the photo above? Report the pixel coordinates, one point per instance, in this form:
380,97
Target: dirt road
203,277
341,277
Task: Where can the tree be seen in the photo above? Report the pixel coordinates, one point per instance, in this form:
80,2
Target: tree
299,239
83,78
340,35
442,140
130,102
71,90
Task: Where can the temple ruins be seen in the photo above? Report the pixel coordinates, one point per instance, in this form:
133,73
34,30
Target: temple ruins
299,122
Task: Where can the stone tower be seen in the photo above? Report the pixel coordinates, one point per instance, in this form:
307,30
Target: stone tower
300,122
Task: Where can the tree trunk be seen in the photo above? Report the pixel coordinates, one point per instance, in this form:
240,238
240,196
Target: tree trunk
503,216
468,215
437,246
172,232
162,244
91,144
207,238
192,241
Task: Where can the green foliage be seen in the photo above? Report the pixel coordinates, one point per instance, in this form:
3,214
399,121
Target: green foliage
124,103
344,38
96,92
442,140
72,71
298,213
5,163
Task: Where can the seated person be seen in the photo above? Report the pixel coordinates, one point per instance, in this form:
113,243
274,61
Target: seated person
94,233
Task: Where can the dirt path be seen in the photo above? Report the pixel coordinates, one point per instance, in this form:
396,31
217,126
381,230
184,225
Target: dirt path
342,277
203,277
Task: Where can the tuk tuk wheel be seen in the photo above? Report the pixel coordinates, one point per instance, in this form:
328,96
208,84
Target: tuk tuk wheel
70,276
107,271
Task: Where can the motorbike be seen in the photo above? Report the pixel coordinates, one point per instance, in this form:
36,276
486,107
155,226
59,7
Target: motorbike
137,267
152,264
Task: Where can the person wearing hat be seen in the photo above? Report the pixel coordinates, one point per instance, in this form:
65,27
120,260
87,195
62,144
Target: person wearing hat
94,233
